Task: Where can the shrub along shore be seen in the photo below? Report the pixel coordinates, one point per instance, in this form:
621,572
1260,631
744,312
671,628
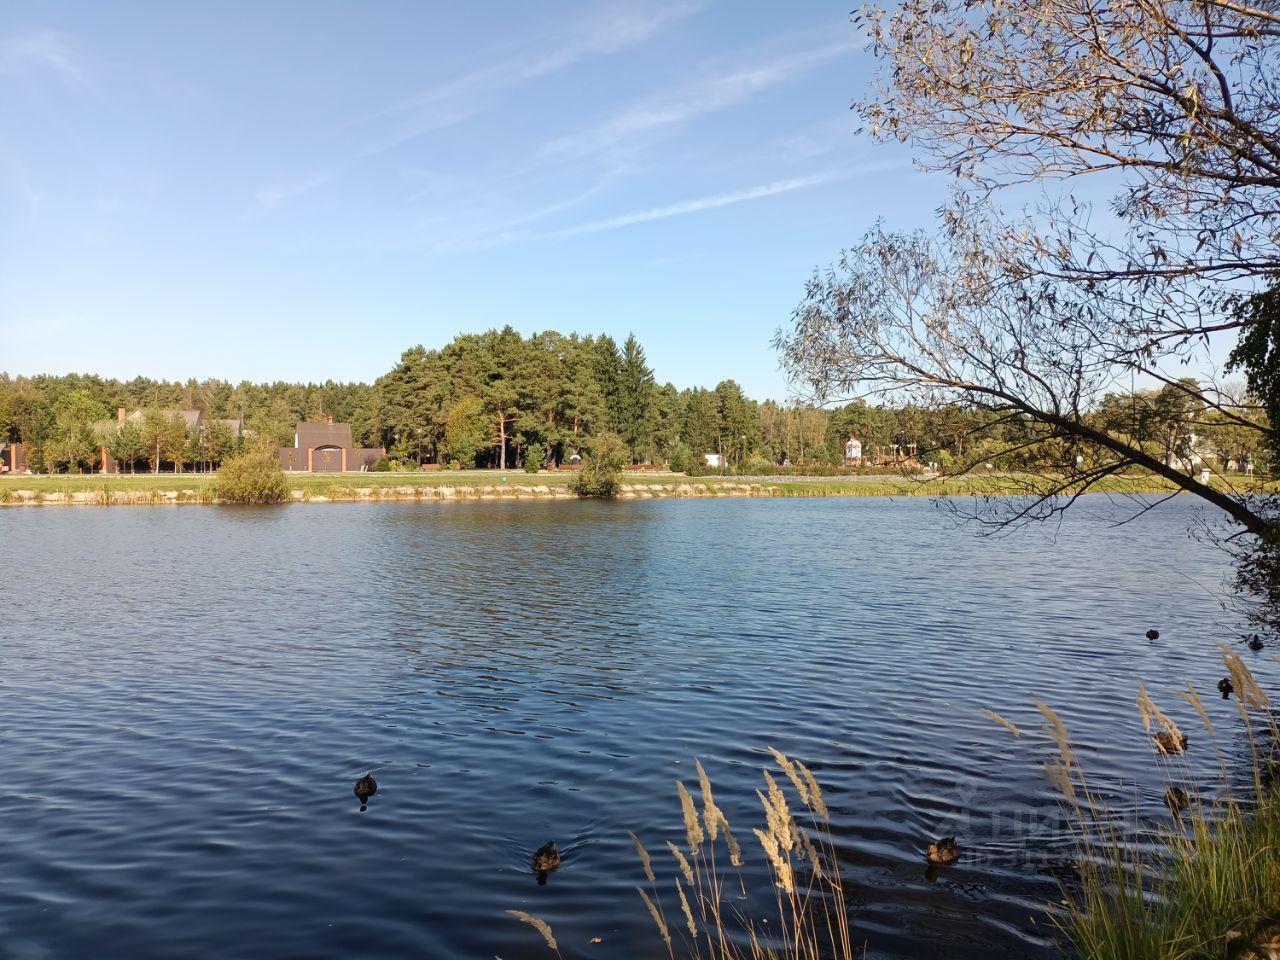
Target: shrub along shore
199,488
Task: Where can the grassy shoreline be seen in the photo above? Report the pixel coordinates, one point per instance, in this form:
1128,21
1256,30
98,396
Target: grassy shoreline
197,488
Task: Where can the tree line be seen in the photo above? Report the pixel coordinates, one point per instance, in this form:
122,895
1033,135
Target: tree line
500,399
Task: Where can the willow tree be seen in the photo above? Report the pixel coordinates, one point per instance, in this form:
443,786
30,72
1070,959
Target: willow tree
928,321
1171,106
1178,100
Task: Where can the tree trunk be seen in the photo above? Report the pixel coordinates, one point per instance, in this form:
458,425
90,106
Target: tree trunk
1236,510
502,440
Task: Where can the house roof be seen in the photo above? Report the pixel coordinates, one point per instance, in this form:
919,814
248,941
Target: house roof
193,419
311,435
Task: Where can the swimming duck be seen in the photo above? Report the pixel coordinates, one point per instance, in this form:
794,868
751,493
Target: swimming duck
1153,634
1176,799
366,787
545,859
1168,745
1225,688
945,850
1255,642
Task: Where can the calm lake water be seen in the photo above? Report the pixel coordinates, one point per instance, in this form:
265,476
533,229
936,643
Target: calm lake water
189,694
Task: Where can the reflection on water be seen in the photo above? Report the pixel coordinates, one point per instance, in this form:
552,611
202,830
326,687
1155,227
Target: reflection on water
189,695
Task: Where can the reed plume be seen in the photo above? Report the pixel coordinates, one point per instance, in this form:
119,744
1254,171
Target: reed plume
657,918
1007,724
692,827
811,920
682,862
540,925
644,856
688,914
711,815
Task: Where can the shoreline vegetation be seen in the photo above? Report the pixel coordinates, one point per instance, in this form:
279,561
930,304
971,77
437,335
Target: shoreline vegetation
1202,883
1207,882
475,485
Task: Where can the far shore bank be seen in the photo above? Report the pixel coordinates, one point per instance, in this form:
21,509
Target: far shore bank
473,485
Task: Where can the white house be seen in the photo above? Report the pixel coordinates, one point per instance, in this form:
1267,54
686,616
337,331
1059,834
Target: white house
714,459
853,452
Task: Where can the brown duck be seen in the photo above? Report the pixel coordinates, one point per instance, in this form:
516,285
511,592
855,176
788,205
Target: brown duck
1176,799
545,860
1225,687
945,850
1168,744
366,787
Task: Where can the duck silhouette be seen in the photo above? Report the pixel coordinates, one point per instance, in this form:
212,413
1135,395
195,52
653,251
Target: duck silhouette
1176,799
945,850
1255,642
366,787
1153,634
1225,688
545,859
1168,744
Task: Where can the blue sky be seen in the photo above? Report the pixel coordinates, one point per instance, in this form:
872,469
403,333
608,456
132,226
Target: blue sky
300,191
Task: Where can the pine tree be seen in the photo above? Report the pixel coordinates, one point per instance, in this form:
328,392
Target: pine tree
637,408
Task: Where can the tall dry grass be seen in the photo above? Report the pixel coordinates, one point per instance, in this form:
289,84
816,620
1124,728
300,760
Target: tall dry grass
1212,881
706,918
698,905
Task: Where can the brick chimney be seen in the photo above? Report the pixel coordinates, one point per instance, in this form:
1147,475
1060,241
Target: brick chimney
120,415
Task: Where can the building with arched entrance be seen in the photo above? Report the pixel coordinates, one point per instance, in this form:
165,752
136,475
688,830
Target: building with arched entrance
327,448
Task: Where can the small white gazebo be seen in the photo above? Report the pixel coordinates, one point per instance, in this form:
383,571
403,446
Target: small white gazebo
853,452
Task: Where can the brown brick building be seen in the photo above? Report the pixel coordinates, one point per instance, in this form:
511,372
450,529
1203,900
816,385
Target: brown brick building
327,448
13,458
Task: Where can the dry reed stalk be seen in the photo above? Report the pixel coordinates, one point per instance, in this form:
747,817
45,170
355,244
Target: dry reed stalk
1192,696
644,856
1150,713
781,823
1248,692
657,918
811,851
1060,777
682,862
1007,724
1058,731
810,916
692,828
790,770
817,801
711,815
781,866
540,925
688,914
735,851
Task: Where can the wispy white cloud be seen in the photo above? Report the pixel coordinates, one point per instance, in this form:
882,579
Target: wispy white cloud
686,207
610,31
657,114
504,234
26,55
492,234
